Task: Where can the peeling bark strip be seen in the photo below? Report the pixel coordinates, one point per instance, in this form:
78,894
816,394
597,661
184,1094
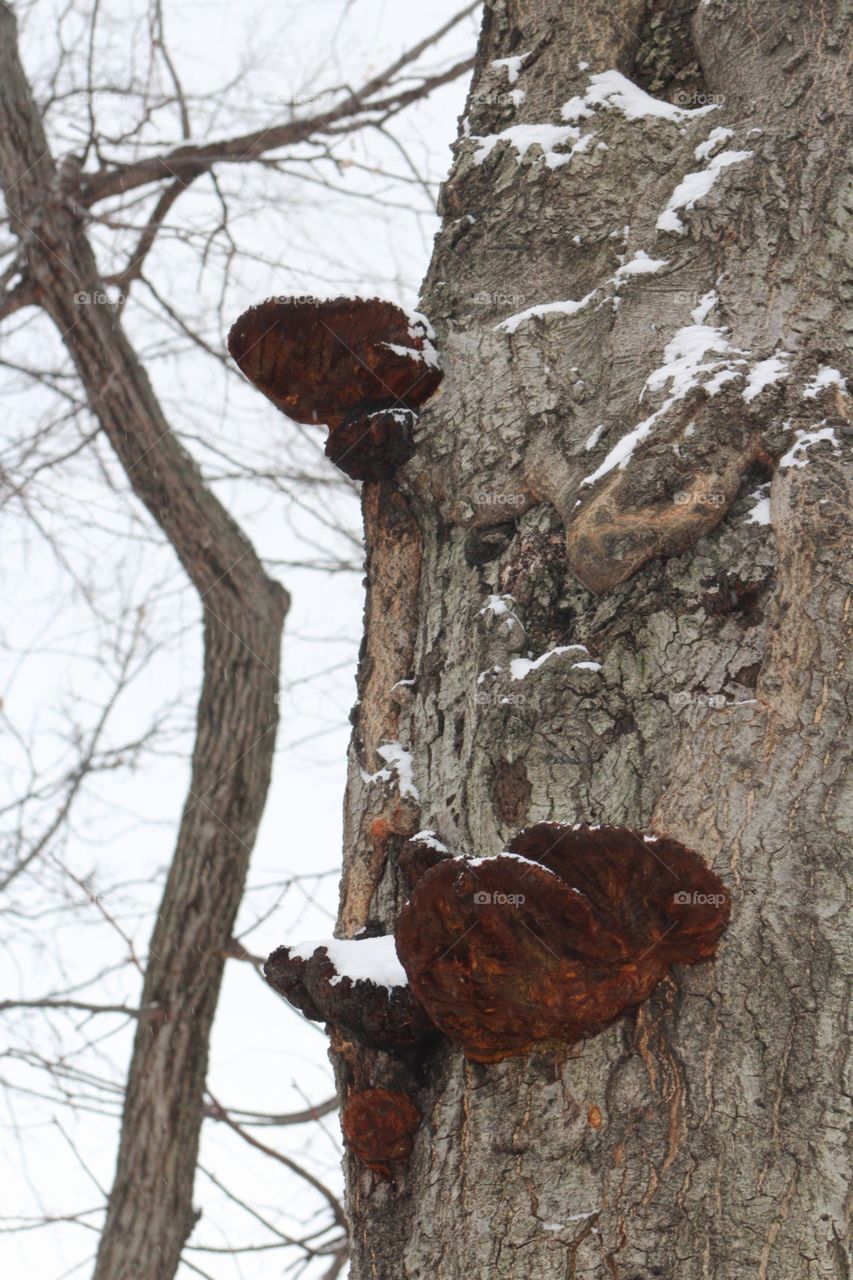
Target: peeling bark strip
640,293
150,1212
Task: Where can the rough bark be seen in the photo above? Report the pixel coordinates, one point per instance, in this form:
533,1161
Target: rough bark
150,1213
703,1136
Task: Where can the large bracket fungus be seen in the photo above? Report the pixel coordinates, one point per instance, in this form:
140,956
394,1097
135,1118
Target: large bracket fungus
379,1126
362,366
357,985
552,940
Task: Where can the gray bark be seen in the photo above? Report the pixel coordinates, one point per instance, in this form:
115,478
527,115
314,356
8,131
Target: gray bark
701,1138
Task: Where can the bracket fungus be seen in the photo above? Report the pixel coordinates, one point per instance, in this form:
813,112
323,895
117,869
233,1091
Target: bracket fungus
357,985
379,1126
362,366
552,940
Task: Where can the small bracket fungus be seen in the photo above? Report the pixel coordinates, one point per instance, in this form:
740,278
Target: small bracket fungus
552,940
357,985
362,366
379,1127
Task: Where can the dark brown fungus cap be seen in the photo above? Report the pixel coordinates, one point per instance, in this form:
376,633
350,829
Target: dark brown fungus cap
417,857
550,942
375,1015
379,1127
362,366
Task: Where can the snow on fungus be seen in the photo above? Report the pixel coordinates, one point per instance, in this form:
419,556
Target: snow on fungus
361,366
379,1127
512,954
356,984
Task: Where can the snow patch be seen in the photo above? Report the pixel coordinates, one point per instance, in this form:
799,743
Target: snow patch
683,367
760,513
795,455
640,265
368,960
764,374
430,839
695,186
521,667
400,762
524,136
826,376
706,305
594,437
513,65
612,89
714,137
569,308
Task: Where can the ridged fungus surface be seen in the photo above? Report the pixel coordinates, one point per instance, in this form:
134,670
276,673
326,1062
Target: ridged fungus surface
552,940
379,1126
362,366
374,1014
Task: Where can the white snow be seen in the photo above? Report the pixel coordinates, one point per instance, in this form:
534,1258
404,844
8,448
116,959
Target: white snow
826,376
586,666
544,309
684,358
760,513
430,839
497,605
525,136
684,363
612,89
412,680
521,667
364,960
706,305
764,374
694,186
400,761
641,264
714,137
594,437
795,455
505,853
513,65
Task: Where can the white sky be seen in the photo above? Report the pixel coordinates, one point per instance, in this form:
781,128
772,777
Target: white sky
55,660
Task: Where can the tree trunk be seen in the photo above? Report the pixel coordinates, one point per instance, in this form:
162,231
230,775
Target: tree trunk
150,1212
700,1137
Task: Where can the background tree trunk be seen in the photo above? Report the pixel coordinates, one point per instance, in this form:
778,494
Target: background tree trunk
150,1213
702,1137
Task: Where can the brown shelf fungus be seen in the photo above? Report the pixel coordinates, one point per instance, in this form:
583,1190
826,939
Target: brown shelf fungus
550,941
362,366
356,985
379,1126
